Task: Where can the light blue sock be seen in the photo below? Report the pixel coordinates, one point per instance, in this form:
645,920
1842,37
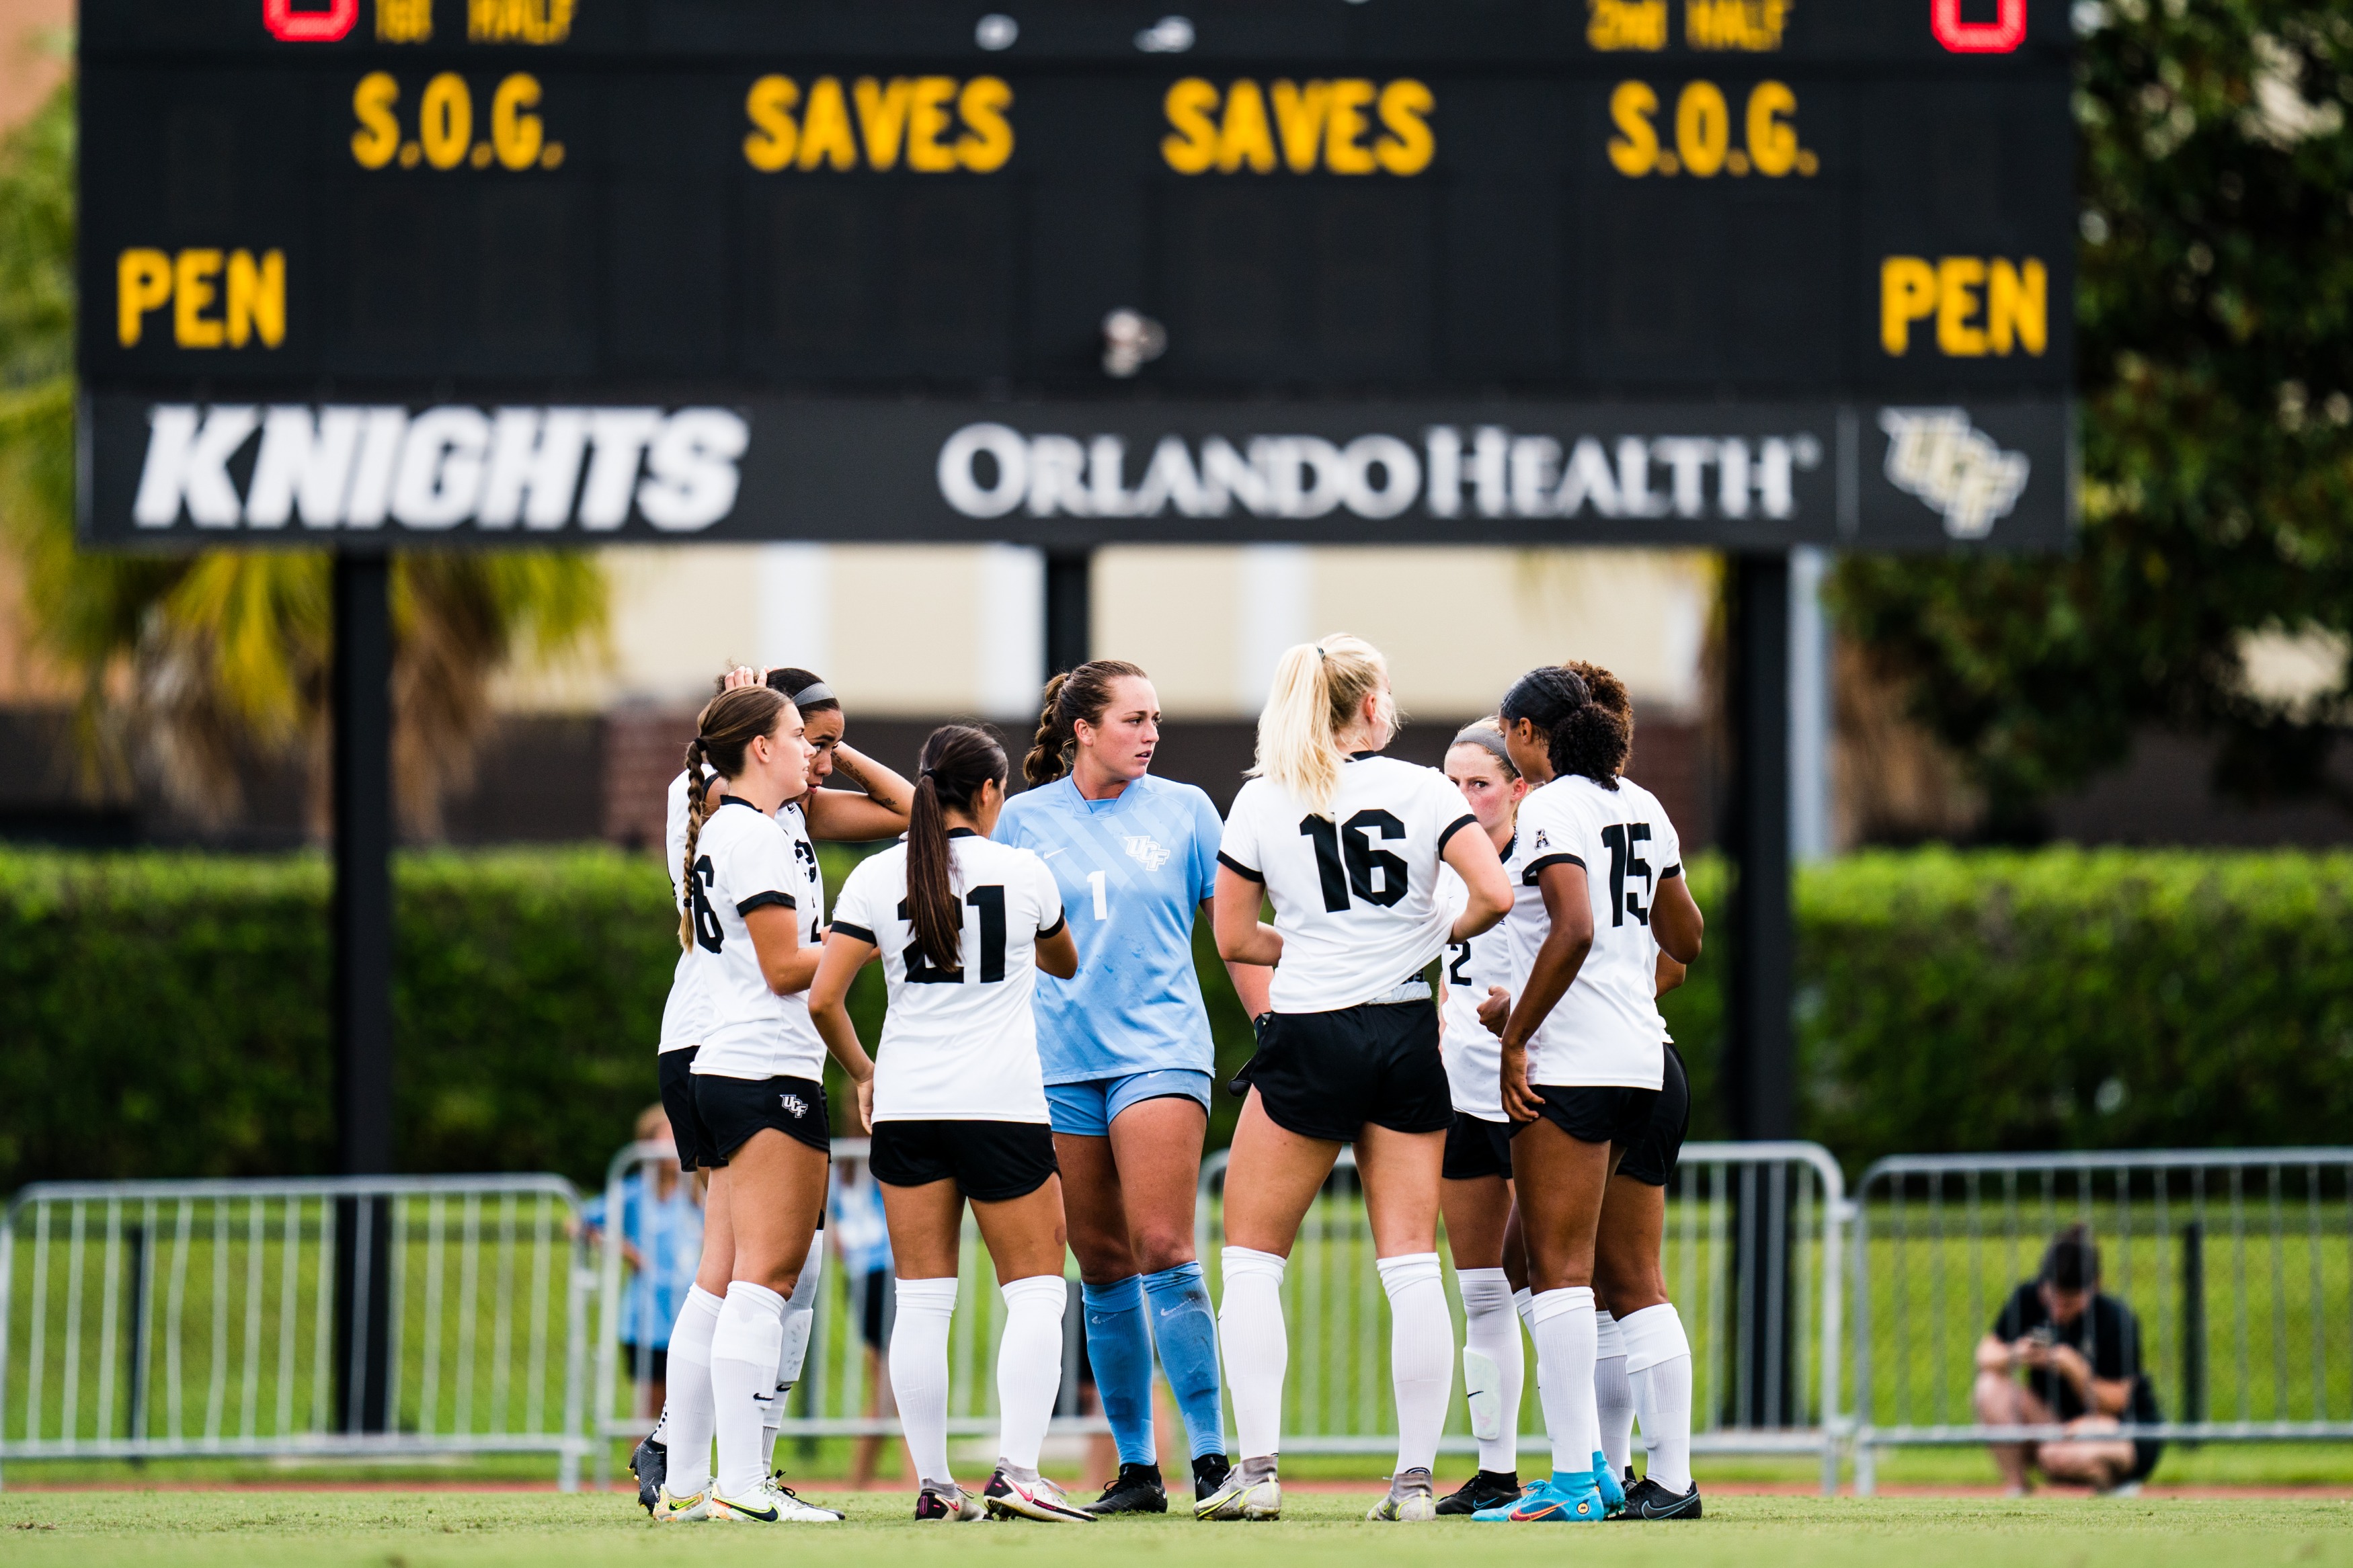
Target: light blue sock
1186,1329
1119,1347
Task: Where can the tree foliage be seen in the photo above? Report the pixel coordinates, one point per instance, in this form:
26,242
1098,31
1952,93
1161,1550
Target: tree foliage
2214,323
187,664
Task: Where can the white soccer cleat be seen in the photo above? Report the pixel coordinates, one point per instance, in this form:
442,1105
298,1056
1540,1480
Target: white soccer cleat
769,1503
1482,1390
670,1509
1039,1499
953,1506
1413,1499
1239,1499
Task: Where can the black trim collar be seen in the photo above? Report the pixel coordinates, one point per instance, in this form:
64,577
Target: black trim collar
1362,756
962,833
728,800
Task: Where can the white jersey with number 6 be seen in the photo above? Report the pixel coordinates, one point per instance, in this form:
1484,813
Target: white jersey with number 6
1354,892
686,1012
958,1045
1605,1030
744,861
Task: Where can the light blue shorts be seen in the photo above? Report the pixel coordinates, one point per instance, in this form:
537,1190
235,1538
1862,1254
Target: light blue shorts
1086,1109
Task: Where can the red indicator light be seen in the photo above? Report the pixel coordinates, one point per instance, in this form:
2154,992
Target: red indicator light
1999,36
308,27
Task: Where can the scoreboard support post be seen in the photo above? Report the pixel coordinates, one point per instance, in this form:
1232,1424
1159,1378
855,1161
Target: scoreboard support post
1760,1067
1070,608
362,697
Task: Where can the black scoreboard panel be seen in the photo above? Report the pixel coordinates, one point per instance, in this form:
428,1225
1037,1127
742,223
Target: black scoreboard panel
730,202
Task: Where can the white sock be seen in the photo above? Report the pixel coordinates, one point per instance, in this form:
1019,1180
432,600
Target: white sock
1256,1351
1613,1396
801,1312
1523,1302
1029,1366
1421,1354
1489,1328
1564,1324
692,1413
919,1372
1659,1365
744,1382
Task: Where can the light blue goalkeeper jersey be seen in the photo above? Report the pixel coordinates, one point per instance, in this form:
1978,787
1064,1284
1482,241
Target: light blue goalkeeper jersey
1134,872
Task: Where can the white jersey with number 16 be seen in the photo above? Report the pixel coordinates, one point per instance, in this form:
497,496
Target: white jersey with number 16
1354,892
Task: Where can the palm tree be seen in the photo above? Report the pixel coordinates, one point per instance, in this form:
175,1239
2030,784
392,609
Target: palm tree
185,664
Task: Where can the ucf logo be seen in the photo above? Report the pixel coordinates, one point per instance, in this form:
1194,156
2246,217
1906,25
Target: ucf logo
1146,849
1956,469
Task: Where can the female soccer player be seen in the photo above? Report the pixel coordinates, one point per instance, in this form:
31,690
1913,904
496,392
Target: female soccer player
1476,1195
1346,845
1581,1055
957,1105
879,810
759,1101
1127,1054
1642,1357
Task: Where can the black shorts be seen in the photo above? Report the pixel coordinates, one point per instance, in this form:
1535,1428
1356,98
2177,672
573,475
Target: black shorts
1325,1075
873,1309
647,1363
676,1079
1651,1160
990,1162
733,1108
1476,1147
1592,1113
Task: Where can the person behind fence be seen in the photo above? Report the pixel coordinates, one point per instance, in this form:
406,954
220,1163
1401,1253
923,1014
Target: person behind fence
661,1226
862,1234
2079,1349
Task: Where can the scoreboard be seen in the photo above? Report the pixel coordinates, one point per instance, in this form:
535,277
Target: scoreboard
378,273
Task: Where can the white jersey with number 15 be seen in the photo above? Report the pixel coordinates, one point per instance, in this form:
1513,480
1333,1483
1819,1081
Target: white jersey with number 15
1605,1030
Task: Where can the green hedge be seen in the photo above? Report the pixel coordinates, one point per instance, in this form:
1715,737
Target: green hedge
165,1014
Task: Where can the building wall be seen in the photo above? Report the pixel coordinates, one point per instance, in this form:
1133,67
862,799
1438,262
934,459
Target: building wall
920,630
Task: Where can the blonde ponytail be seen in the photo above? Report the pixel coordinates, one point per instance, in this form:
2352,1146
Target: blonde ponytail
1319,688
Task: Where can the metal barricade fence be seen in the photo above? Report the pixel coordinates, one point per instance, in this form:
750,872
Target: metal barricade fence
2237,1263
1764,1317
172,1319
844,1389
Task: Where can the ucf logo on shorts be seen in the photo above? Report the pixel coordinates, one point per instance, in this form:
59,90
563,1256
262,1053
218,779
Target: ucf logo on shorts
795,1105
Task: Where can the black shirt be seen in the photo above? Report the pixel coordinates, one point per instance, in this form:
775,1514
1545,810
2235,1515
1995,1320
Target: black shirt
2107,1333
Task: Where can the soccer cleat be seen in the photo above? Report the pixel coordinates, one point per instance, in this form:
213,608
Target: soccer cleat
1209,1473
1648,1499
1237,1497
949,1507
769,1503
669,1509
1137,1488
1039,1499
1604,1481
651,1465
1558,1500
1412,1500
1483,1489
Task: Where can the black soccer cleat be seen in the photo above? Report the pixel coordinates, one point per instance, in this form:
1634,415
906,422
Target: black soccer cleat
1648,1499
1483,1489
1137,1488
651,1465
1209,1473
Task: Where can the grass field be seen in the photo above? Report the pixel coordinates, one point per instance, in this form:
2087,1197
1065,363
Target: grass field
383,1530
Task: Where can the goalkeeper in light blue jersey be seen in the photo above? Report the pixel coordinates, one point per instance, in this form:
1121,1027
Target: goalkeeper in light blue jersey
1128,1057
